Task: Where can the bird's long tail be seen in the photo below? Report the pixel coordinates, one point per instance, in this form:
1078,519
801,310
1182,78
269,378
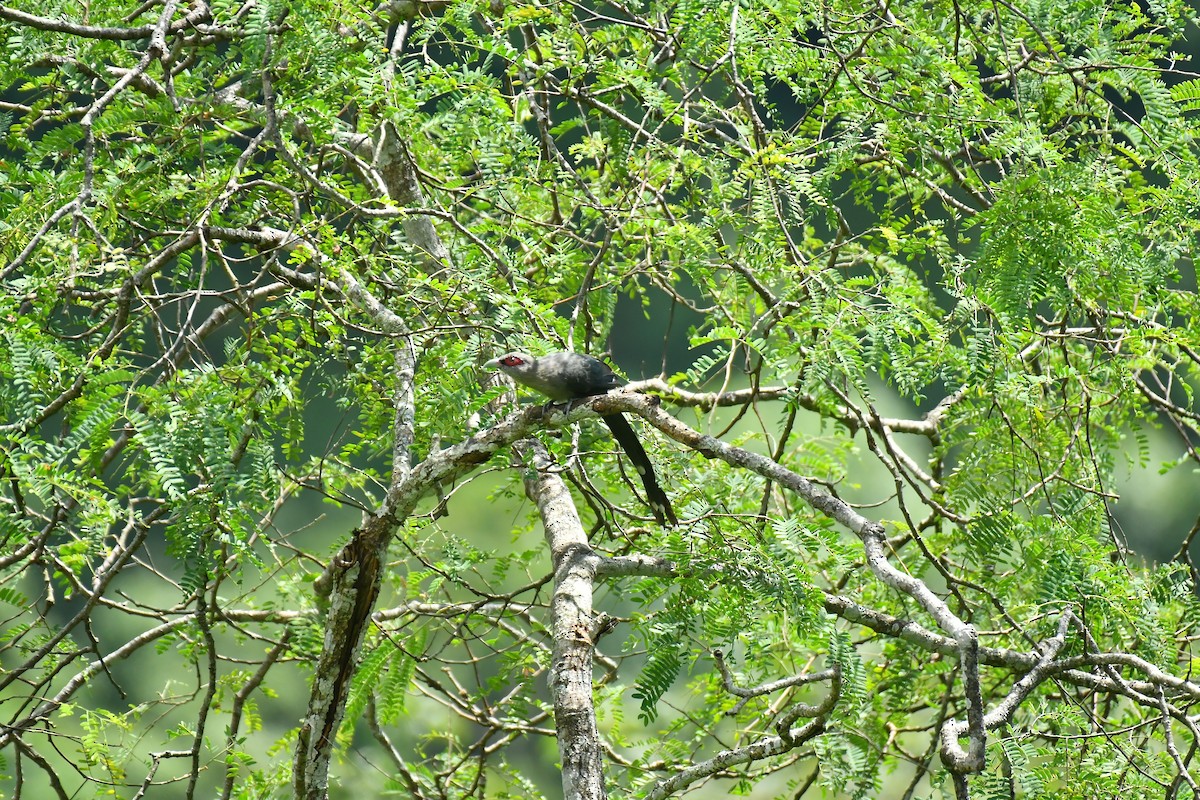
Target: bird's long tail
622,431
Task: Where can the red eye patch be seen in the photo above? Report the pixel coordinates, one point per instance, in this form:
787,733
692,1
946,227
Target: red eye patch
512,361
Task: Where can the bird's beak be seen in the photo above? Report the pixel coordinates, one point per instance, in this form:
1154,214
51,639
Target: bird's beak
493,364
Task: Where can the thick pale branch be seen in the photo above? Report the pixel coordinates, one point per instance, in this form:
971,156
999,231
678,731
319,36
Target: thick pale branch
869,531
400,176
571,623
1001,715
200,14
642,565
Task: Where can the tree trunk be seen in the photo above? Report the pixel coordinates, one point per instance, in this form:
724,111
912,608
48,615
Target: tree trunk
572,628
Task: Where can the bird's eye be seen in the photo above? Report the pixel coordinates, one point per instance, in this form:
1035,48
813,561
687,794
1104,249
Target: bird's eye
511,361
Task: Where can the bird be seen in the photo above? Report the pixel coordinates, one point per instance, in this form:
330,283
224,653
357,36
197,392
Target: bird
572,376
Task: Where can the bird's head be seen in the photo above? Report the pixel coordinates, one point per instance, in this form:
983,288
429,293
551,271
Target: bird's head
514,364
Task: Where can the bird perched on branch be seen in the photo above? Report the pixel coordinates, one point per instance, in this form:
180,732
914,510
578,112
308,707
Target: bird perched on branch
572,376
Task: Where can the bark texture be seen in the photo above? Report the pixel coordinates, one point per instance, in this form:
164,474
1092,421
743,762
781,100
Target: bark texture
572,626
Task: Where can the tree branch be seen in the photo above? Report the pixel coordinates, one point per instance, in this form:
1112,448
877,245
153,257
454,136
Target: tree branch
575,567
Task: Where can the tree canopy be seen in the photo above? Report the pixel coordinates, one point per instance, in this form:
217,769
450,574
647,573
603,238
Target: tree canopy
905,292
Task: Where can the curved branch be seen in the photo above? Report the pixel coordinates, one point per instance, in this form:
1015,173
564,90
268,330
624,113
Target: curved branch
199,14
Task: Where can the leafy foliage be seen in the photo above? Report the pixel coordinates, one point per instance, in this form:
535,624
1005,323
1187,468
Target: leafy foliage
937,256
